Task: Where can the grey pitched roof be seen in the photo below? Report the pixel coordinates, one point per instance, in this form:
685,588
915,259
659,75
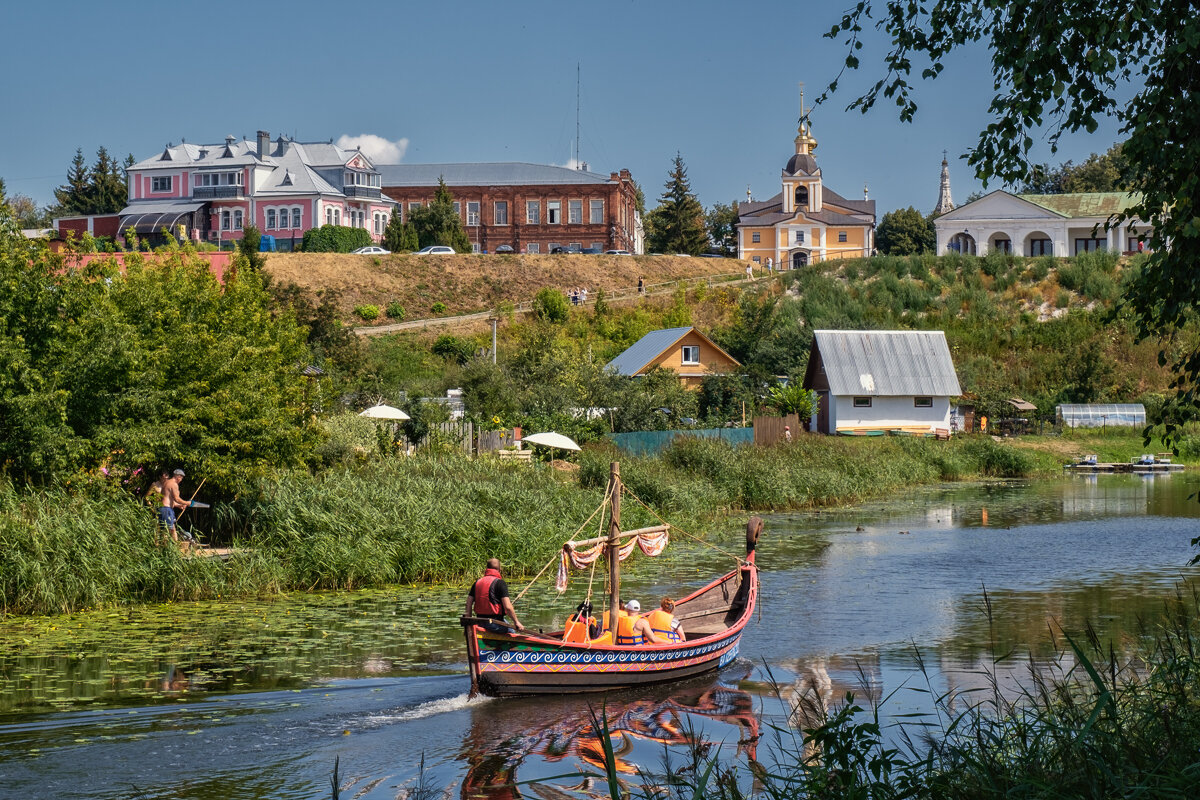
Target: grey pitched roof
859,206
508,173
887,363
645,349
835,218
770,212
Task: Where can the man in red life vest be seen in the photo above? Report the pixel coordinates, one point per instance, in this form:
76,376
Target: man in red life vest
489,599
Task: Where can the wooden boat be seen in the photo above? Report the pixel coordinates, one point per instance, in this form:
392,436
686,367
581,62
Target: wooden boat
511,664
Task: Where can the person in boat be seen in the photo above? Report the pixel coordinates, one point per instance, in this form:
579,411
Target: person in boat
581,626
489,599
663,623
633,628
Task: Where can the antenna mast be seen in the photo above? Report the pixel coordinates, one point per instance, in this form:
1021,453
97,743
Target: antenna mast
577,115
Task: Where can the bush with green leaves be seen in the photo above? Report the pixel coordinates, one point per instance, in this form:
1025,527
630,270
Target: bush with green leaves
368,312
438,308
550,305
335,239
395,310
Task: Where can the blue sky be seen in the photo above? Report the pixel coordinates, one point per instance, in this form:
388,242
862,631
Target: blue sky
471,81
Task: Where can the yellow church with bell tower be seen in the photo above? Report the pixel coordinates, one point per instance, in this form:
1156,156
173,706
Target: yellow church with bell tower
806,222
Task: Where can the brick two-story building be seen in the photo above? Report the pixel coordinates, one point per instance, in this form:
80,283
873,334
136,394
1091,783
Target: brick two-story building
532,208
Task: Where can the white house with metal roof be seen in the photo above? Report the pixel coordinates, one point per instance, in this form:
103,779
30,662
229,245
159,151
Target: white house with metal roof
874,381
212,191
1040,224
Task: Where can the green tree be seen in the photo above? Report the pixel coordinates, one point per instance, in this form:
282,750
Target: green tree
721,220
793,399
905,232
1060,68
1101,172
439,223
550,305
678,222
75,196
248,248
109,192
393,234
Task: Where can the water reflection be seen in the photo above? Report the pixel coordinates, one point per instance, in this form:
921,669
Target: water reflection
523,740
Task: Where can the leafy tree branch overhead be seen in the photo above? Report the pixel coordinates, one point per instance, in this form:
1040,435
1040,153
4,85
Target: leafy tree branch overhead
1060,66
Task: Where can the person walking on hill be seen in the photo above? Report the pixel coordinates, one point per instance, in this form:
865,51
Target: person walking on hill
488,598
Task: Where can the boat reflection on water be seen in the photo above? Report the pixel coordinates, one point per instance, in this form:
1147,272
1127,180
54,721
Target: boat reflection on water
554,736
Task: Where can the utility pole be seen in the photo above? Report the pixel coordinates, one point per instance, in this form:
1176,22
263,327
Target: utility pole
494,321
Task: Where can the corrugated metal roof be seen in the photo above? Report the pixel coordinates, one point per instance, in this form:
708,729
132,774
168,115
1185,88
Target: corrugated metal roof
887,363
1084,204
645,349
510,173
181,206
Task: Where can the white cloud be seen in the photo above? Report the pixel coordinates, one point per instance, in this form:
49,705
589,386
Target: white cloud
377,148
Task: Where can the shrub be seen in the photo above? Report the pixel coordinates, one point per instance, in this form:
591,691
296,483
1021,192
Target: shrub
368,312
395,310
1062,300
550,305
452,348
438,308
334,239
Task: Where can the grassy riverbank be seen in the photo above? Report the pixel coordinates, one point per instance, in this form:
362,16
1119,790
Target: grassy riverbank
437,518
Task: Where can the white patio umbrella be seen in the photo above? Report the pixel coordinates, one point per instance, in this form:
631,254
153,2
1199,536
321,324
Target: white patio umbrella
551,439
384,412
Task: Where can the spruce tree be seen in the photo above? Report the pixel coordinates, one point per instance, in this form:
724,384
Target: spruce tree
74,197
679,219
439,223
393,234
109,194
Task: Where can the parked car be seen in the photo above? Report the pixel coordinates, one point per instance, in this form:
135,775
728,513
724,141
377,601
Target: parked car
564,250
591,251
436,250
504,248
371,250
617,253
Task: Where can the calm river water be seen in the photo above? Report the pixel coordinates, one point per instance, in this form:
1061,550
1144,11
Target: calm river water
238,699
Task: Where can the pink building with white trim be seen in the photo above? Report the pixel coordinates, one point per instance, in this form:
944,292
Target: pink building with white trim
211,192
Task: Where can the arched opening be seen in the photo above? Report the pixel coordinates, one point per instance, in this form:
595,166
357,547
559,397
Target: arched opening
962,243
1039,244
1000,242
801,196
799,259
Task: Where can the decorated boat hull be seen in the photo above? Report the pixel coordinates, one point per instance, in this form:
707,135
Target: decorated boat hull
505,665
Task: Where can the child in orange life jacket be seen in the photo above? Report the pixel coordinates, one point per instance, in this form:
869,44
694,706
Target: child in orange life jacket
663,623
633,629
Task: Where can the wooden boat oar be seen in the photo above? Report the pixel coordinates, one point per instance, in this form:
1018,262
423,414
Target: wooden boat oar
190,499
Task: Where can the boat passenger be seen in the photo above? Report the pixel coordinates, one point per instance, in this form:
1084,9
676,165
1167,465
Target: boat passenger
581,626
489,599
632,628
663,623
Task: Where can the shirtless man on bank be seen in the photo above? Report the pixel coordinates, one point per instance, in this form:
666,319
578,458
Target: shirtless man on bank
171,500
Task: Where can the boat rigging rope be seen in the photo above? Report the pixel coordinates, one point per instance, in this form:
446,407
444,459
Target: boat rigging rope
603,504
677,529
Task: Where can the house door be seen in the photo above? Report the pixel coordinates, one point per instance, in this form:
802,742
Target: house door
799,259
823,412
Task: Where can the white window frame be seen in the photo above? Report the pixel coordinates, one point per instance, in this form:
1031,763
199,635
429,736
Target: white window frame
862,402
161,184
533,249
226,220
533,212
296,218
755,237
457,207
596,212
473,213
922,402
842,237
692,350
271,219
500,212
574,212
554,212
412,205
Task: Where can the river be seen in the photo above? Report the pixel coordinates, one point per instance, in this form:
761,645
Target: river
257,699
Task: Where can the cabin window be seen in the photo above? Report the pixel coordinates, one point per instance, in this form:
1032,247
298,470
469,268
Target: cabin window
756,237
862,402
922,402
691,354
841,236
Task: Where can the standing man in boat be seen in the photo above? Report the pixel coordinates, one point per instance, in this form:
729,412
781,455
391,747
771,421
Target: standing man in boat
489,599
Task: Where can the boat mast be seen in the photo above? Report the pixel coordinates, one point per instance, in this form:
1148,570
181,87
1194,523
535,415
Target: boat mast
614,546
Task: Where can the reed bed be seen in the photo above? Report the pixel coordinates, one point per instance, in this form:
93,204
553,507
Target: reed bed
437,517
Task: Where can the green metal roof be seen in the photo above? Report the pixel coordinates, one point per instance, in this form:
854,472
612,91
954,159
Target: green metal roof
1084,204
